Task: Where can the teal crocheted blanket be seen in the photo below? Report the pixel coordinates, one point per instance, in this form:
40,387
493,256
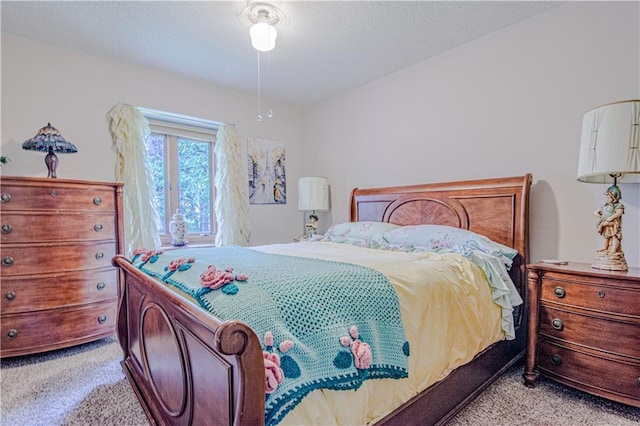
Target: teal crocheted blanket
323,324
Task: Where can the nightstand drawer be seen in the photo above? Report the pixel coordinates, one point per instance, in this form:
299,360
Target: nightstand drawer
37,292
599,333
33,331
603,298
589,372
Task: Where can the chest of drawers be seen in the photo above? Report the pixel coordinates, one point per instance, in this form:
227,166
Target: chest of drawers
584,329
57,239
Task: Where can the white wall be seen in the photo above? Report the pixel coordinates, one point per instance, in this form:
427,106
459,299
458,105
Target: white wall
503,105
42,83
506,104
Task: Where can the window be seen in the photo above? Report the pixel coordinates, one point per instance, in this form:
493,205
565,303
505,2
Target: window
182,165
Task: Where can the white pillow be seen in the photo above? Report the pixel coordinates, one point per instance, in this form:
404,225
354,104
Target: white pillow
440,238
363,234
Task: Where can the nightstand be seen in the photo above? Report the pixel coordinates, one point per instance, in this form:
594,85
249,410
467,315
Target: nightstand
584,329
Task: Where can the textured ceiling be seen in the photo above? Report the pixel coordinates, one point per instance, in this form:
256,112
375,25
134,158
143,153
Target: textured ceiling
324,47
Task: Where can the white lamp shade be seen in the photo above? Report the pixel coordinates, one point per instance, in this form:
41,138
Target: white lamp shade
610,143
263,36
313,194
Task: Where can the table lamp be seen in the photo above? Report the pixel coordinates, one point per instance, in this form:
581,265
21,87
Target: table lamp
51,141
313,196
609,154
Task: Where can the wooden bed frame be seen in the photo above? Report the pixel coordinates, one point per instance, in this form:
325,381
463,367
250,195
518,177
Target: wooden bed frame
187,367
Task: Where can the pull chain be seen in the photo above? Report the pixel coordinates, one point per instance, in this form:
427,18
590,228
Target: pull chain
270,110
259,117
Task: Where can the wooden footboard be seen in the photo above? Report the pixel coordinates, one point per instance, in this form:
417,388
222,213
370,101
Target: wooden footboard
185,366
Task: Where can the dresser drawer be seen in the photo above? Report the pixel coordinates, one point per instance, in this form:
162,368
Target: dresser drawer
599,333
52,258
590,373
26,227
57,197
603,298
38,292
46,330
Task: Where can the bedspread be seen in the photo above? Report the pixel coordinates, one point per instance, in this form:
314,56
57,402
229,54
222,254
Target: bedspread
325,324
448,315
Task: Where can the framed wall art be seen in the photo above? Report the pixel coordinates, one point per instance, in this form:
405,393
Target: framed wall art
267,176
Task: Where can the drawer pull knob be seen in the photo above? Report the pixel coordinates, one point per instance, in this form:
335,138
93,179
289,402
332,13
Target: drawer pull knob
97,227
6,228
556,359
102,319
10,295
53,193
7,261
13,333
101,286
638,382
560,292
97,201
99,255
601,294
557,324
5,197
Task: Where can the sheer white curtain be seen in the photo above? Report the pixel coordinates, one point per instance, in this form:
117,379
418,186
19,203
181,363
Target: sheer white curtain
129,132
232,200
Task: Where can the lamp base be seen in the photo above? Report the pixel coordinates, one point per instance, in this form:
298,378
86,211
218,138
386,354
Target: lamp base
51,160
610,261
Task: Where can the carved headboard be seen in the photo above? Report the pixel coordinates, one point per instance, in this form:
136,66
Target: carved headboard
497,208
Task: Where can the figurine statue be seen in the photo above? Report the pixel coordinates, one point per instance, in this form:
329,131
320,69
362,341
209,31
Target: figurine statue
312,225
611,256
178,230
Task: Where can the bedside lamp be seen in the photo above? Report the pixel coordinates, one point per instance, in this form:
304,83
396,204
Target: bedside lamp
313,196
51,141
609,153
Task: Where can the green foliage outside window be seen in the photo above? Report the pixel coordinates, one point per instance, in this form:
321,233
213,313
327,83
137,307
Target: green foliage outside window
192,173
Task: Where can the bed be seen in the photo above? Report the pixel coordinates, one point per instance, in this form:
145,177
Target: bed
186,366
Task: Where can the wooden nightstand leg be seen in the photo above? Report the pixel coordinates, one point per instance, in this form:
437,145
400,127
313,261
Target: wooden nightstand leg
533,293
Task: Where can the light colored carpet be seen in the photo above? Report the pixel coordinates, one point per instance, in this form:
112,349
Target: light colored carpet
79,386
85,386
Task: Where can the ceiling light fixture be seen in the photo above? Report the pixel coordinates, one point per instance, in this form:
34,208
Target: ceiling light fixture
263,34
263,19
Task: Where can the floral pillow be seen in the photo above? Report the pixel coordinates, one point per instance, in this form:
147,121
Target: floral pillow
440,238
363,234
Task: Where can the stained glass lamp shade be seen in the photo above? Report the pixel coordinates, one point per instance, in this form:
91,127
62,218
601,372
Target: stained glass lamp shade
50,140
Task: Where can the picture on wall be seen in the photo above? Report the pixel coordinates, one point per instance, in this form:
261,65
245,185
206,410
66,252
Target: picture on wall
267,177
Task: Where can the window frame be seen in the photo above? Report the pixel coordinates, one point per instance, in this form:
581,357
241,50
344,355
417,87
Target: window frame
173,127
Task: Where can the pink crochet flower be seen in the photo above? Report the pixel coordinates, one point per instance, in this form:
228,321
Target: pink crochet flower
268,338
353,331
286,346
273,374
175,264
361,354
345,341
215,278
140,251
146,254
